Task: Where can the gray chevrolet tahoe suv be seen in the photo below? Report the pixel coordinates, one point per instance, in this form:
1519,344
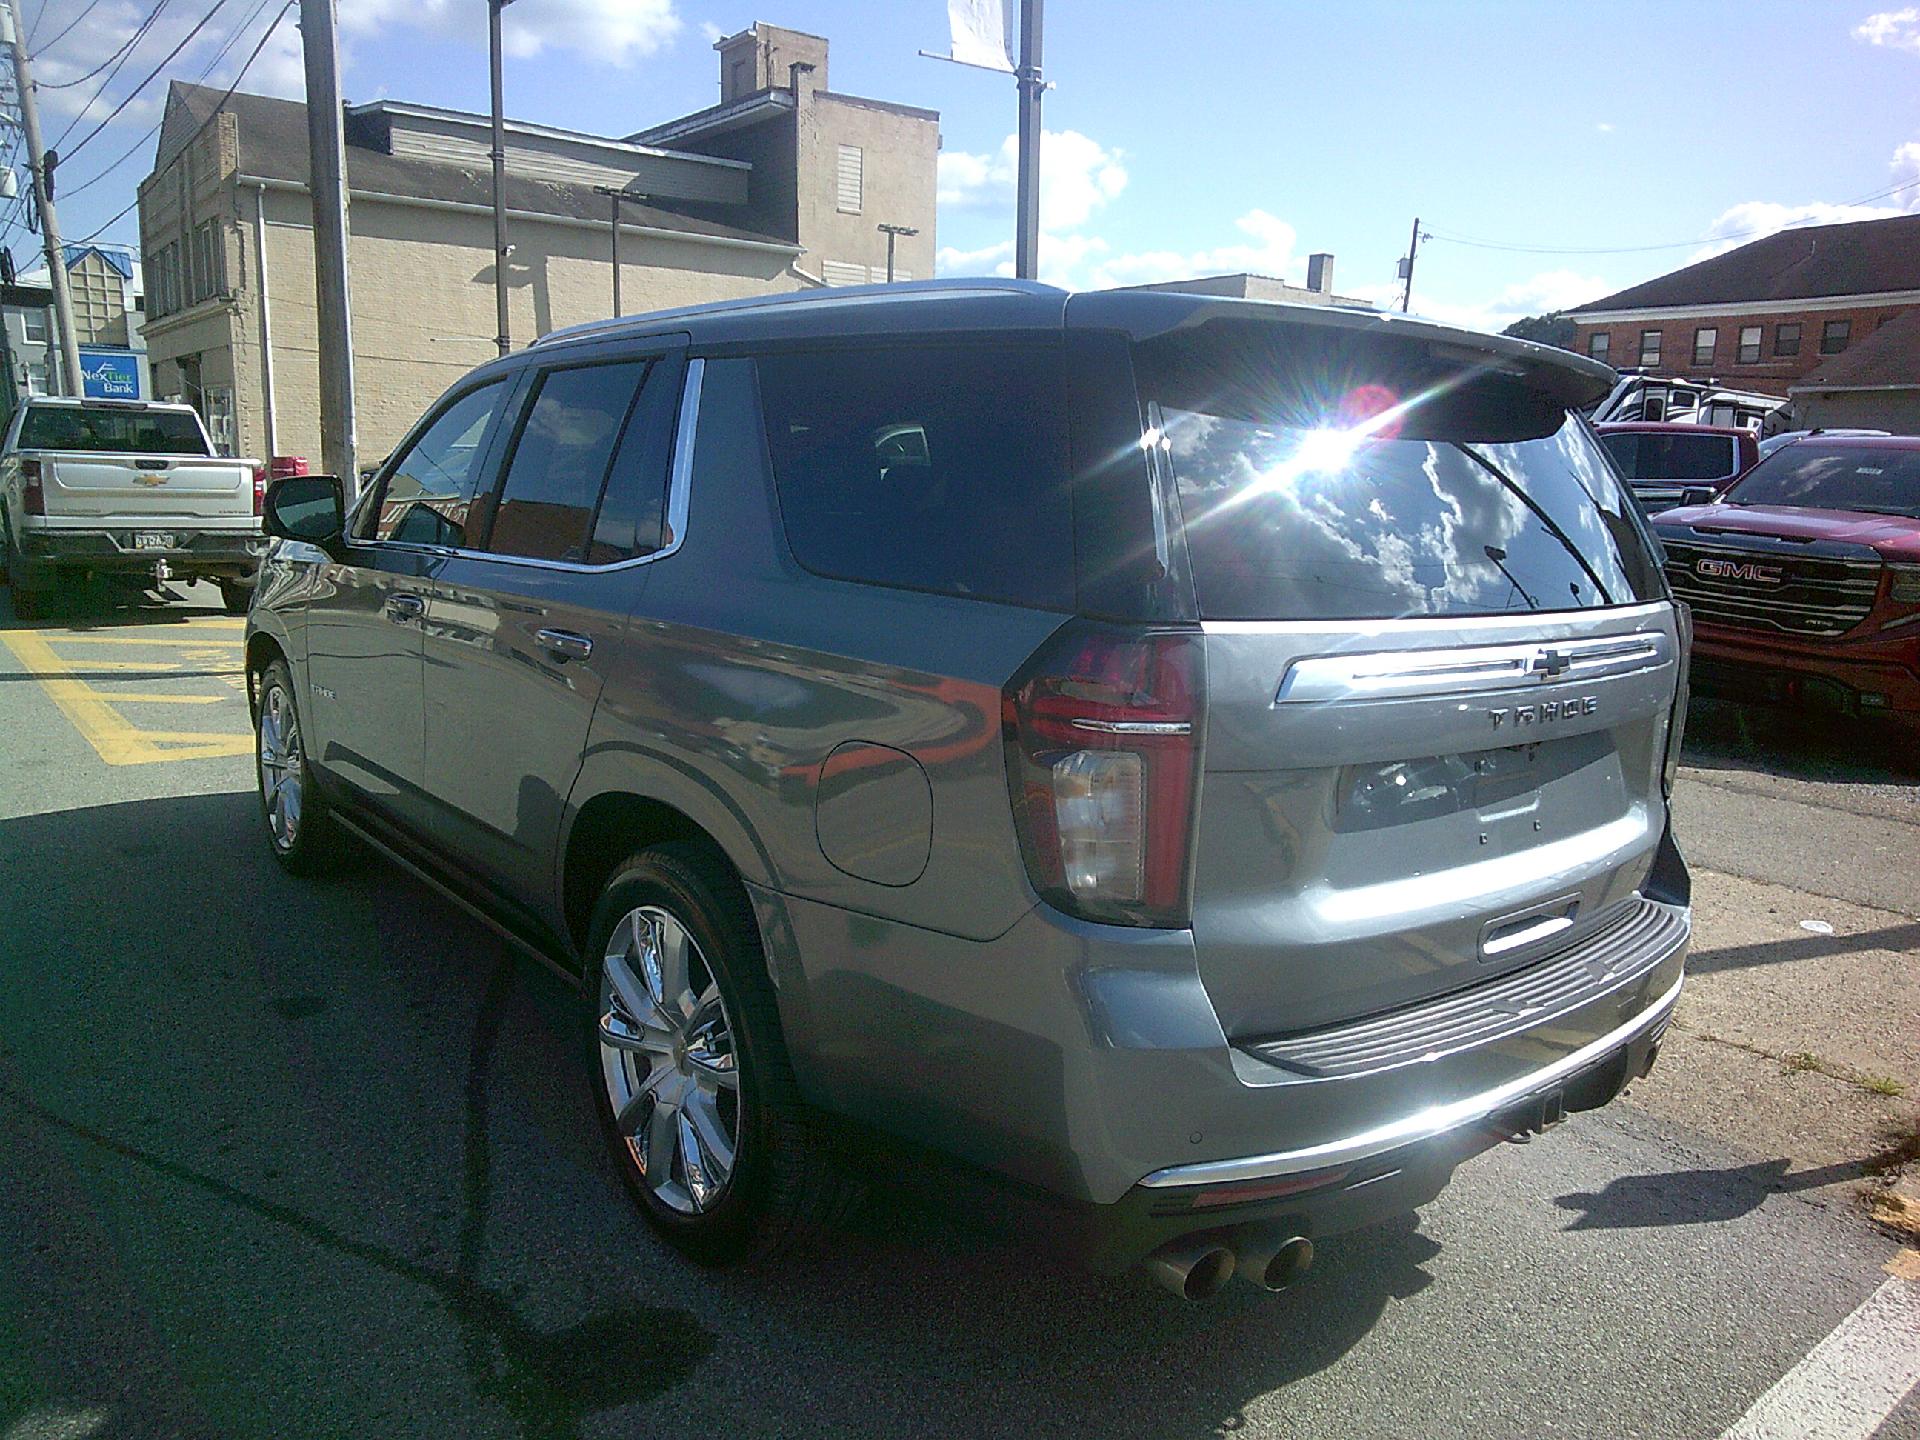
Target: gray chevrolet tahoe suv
1202,764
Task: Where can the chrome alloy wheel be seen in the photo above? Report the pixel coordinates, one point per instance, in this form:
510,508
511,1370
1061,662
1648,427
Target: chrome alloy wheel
667,1054
280,766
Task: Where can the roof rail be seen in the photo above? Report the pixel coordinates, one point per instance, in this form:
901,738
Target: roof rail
836,294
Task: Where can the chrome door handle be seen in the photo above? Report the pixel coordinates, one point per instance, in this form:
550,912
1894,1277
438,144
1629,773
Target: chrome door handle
405,606
566,644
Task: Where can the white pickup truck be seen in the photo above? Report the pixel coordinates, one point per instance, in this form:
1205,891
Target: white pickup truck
118,487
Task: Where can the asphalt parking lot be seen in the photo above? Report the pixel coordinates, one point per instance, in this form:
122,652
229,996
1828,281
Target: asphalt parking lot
287,1158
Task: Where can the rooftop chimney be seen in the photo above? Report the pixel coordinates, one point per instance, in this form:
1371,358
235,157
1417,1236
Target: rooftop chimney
1320,273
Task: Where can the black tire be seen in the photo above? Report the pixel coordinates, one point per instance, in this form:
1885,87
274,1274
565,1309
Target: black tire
235,598
29,603
313,844
783,1186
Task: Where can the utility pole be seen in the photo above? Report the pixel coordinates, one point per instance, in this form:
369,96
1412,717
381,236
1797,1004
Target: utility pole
70,381
327,168
892,232
502,337
1026,241
615,199
1406,265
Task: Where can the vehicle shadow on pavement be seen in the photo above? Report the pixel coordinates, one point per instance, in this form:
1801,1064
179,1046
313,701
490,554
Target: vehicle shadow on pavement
96,607
340,1095
1802,947
1699,1197
1837,749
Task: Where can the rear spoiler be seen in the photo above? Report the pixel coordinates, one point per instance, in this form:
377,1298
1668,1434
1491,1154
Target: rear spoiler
1572,379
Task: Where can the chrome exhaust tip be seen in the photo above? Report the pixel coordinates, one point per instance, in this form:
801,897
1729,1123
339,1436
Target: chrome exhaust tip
1272,1258
1191,1268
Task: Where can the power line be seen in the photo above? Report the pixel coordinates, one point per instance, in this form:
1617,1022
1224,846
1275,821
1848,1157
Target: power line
154,129
128,98
1479,243
88,10
258,46
116,59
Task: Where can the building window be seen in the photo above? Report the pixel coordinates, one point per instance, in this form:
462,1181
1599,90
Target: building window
1786,338
849,179
1704,339
1750,344
1597,344
99,301
37,380
1834,336
36,325
217,411
1649,347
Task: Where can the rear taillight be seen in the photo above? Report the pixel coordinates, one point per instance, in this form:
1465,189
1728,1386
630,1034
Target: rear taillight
259,489
33,498
1103,763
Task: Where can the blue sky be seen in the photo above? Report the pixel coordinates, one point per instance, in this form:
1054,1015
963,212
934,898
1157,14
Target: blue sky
1213,135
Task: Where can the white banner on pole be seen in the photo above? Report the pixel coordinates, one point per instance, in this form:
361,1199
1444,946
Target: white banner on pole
982,33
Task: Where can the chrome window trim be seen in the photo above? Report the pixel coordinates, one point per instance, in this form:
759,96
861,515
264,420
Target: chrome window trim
679,491
1595,619
1406,673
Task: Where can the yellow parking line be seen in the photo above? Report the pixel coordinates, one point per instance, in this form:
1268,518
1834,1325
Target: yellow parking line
113,738
57,666
208,642
144,697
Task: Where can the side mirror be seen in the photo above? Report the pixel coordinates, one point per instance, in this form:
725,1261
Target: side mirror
311,508
1698,495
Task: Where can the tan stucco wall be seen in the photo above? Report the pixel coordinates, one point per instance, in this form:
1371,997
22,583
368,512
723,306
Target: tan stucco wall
423,306
900,154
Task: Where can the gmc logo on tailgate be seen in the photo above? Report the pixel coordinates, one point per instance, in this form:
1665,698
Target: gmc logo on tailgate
1739,570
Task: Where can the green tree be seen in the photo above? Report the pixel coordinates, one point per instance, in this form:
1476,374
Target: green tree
1552,328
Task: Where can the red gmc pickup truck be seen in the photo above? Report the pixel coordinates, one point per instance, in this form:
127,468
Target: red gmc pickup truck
1804,578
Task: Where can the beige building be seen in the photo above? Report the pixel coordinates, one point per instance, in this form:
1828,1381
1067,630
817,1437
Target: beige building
780,186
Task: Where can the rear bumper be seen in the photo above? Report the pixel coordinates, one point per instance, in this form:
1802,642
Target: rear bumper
1877,675
1087,1062
194,551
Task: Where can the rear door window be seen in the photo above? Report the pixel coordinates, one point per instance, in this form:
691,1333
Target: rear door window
936,467
1323,481
1650,456
74,427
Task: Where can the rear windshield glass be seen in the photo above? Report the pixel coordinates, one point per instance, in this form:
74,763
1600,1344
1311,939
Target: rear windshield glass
1644,455
152,432
1327,482
1835,477
929,467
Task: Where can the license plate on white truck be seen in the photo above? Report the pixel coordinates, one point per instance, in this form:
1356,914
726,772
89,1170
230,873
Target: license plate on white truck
155,540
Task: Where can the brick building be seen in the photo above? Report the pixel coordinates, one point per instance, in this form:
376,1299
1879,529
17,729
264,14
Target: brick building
1767,314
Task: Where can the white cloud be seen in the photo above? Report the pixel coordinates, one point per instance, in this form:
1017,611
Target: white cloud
1605,127
1895,29
711,32
1266,249
1078,176
612,31
1753,219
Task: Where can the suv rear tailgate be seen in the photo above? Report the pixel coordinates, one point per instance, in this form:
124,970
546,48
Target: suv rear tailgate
1389,815
145,487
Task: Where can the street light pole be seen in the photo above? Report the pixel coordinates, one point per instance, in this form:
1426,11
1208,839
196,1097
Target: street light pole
43,204
502,338
1026,240
892,231
615,198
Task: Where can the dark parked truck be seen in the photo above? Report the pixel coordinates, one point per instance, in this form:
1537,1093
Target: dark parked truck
1203,764
118,487
1804,580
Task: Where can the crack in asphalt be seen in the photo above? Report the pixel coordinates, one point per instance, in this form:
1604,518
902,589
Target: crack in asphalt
546,1382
